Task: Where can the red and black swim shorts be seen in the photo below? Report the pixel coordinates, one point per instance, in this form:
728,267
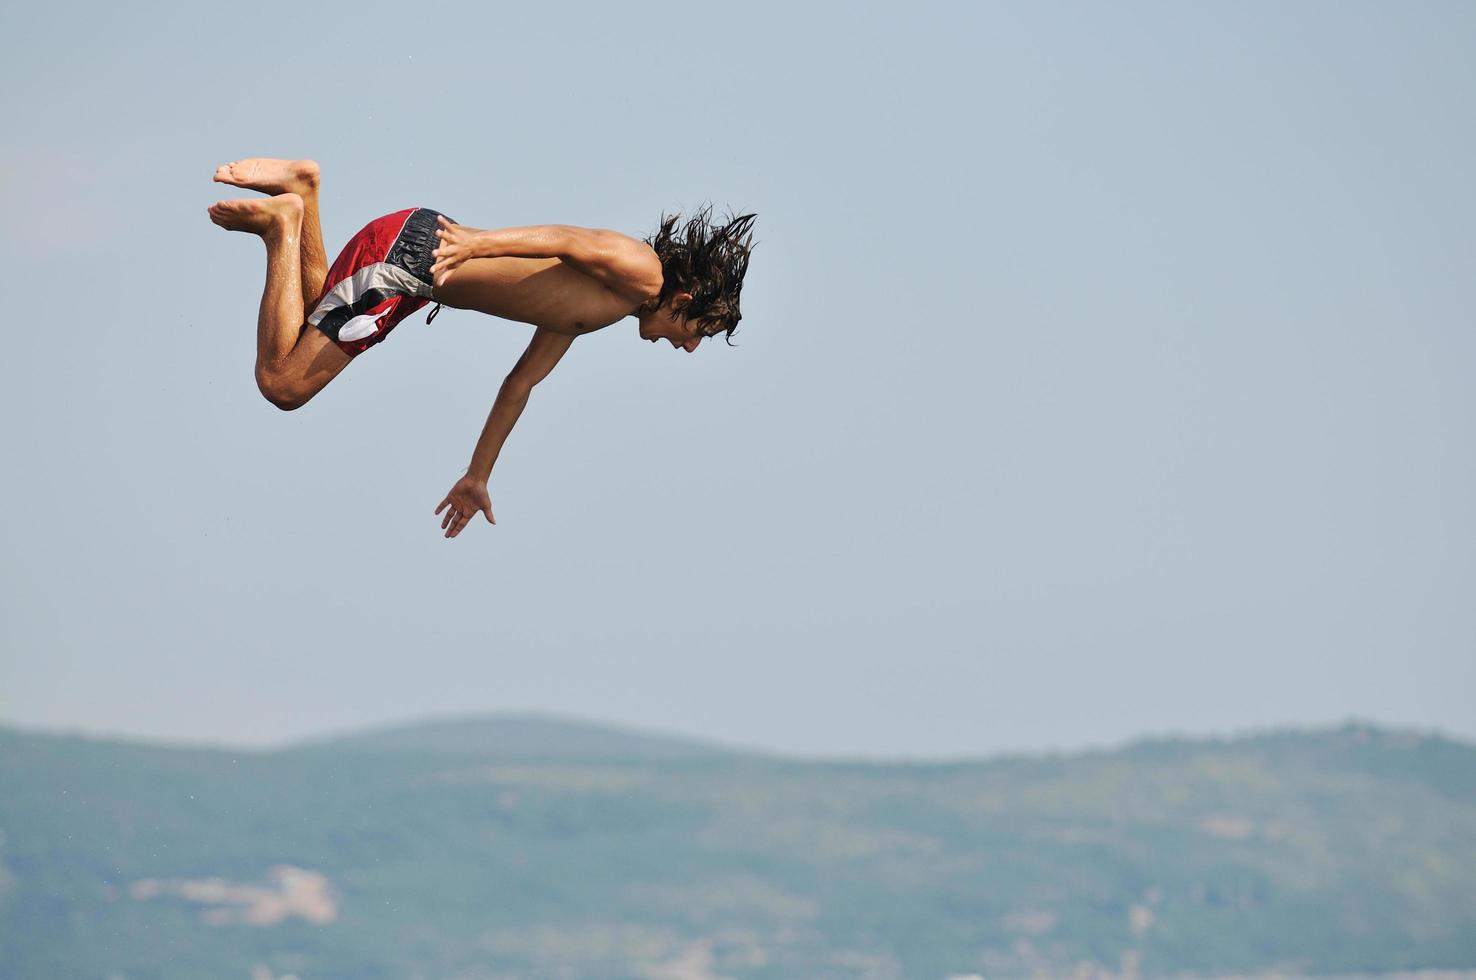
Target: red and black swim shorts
381,277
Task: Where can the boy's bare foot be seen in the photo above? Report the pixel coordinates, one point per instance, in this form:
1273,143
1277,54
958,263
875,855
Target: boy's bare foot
270,176
259,215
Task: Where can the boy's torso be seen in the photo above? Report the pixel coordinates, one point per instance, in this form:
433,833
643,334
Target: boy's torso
547,293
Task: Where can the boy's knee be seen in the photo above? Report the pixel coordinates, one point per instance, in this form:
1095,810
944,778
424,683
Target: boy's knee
281,391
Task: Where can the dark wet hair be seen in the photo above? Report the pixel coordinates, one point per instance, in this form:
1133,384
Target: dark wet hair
706,260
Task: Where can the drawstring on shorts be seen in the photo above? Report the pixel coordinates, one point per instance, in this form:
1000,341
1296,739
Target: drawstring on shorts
432,315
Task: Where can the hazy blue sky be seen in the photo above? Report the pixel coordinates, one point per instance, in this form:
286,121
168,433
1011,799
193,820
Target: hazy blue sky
1105,370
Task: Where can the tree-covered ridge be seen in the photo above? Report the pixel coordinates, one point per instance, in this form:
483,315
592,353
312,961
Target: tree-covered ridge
482,849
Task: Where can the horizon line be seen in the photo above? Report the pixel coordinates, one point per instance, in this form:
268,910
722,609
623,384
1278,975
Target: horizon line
718,746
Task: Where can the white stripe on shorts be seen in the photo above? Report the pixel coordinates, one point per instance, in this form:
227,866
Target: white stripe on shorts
380,275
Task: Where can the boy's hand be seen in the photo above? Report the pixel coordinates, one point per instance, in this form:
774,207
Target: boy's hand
468,496
455,248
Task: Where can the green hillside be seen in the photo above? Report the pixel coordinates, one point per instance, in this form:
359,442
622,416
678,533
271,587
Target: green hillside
524,737
526,847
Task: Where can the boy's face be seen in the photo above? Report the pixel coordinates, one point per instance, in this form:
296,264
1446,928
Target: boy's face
671,326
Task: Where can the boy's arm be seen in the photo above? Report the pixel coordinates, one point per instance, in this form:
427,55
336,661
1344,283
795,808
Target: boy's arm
628,267
469,495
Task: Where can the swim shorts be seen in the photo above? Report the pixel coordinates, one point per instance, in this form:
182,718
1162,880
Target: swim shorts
381,277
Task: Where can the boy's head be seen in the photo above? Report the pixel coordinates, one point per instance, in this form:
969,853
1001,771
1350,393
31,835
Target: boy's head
702,268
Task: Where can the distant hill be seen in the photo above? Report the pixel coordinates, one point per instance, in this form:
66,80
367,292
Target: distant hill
530,847
517,737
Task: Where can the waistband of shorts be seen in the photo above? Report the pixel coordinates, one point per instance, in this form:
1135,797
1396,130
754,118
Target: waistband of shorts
417,240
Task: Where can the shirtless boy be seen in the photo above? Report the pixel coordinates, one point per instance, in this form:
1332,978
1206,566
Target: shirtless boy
682,286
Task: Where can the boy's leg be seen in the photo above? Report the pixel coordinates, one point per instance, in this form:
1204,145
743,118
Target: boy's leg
292,364
300,177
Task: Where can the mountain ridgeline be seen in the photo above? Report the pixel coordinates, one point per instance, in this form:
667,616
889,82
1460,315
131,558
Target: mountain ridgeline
510,847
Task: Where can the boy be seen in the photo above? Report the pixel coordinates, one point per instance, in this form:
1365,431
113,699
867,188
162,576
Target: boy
682,286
